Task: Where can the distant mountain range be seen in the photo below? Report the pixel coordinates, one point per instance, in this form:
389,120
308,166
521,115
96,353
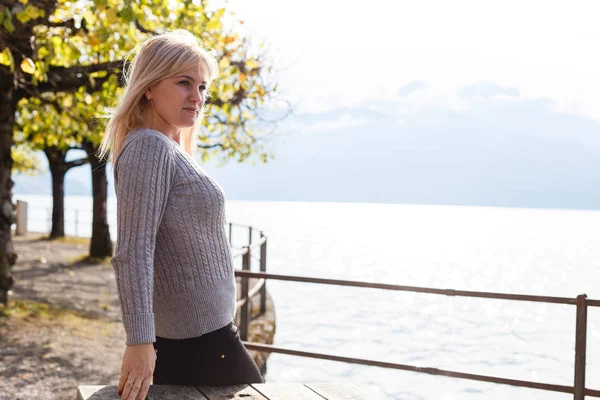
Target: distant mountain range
42,185
500,151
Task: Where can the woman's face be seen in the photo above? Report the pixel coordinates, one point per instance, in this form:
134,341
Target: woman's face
175,102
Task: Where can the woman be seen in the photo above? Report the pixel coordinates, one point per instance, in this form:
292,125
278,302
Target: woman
173,264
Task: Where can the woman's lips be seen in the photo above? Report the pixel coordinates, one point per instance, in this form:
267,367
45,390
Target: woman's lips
192,110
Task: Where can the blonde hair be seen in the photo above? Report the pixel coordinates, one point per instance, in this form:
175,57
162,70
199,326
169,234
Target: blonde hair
155,59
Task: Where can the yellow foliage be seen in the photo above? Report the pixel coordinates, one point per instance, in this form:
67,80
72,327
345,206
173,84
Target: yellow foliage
28,66
94,41
68,102
111,33
30,12
6,58
111,15
251,64
25,160
224,63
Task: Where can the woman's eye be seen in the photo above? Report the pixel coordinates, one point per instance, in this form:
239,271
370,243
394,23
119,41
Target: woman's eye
185,83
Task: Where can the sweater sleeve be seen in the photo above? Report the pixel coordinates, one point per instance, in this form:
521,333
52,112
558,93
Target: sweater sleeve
143,178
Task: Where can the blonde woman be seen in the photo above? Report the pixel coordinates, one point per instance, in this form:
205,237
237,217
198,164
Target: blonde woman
173,264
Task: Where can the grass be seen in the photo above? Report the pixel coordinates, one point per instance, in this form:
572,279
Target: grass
77,240
85,259
34,314
29,309
69,240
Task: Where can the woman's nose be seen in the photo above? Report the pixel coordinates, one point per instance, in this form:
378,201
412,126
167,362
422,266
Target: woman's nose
195,96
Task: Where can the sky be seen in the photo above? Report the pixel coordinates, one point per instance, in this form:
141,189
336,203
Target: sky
341,53
488,103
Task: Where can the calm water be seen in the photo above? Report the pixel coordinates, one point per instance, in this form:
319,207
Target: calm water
543,252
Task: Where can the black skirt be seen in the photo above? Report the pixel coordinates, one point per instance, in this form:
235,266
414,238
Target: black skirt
215,358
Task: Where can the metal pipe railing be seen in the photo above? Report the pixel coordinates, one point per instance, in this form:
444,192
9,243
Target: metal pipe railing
578,390
581,302
244,305
417,289
580,347
430,371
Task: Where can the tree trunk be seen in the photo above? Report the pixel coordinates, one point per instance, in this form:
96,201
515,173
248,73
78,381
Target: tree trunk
8,257
101,243
58,169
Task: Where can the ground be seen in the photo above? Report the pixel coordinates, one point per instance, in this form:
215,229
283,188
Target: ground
63,327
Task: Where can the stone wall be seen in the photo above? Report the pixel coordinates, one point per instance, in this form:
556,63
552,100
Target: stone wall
262,330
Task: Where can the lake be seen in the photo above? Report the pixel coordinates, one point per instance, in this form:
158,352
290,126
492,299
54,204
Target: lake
509,250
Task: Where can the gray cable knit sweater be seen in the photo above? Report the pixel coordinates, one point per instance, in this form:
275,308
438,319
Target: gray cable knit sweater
173,264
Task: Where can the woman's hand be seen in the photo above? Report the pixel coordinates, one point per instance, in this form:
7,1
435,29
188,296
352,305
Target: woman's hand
136,371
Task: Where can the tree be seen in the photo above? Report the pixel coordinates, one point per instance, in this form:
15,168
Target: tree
51,48
25,160
44,125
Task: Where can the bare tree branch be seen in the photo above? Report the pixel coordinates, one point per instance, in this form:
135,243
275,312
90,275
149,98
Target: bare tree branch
70,23
77,163
238,97
69,85
63,72
52,103
210,146
141,28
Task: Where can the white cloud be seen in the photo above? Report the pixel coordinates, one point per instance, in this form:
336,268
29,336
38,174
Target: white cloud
487,90
344,121
341,53
412,87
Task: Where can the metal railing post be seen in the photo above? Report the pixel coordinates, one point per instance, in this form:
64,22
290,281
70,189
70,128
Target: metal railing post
578,390
21,218
263,268
230,234
580,347
245,315
76,222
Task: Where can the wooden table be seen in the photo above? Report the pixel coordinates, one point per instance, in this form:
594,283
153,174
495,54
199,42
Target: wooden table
262,391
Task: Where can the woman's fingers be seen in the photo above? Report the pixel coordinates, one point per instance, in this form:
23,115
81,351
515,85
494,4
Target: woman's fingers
131,389
136,371
121,384
145,388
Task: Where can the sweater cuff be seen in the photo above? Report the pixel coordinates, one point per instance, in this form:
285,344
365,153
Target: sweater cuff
139,328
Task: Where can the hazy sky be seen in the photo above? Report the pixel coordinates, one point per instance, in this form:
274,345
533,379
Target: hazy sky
429,102
336,53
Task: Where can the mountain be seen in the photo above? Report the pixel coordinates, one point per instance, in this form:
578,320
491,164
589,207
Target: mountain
499,152
496,149
42,185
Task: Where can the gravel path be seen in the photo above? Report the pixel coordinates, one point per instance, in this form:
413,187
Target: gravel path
64,328
79,340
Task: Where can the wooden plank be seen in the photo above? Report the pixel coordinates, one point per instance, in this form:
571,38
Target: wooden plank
85,392
339,391
244,392
166,392
286,391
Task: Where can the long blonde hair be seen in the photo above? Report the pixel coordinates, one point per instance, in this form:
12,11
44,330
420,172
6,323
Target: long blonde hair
155,59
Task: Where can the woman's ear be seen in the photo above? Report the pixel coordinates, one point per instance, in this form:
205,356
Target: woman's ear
149,94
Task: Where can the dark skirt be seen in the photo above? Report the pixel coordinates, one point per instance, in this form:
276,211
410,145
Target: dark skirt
215,358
